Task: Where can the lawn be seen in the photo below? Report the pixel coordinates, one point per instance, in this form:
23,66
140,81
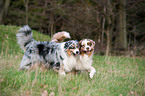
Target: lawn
116,76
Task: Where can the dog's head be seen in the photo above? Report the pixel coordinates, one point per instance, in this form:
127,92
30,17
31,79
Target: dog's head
72,47
86,46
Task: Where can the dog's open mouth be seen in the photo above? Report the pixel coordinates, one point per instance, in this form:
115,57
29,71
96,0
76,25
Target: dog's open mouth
87,51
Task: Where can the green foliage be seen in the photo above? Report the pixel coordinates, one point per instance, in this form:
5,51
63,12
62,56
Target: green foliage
8,42
84,19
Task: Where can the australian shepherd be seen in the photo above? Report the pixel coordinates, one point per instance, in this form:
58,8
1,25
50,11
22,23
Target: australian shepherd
59,56
85,60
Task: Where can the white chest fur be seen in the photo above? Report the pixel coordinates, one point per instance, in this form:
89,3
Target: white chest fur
69,63
84,62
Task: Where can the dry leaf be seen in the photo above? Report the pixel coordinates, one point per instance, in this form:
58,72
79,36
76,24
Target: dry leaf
120,95
16,56
27,93
10,64
45,93
45,86
132,92
2,80
74,87
52,94
123,75
50,88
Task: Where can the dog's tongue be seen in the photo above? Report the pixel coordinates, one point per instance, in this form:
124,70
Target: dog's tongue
88,52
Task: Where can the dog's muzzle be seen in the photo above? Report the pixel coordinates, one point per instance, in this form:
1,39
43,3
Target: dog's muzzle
76,52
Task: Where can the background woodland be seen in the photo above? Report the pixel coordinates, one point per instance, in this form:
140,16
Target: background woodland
117,26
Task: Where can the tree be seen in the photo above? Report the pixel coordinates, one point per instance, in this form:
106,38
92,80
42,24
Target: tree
121,35
4,5
26,2
104,21
109,14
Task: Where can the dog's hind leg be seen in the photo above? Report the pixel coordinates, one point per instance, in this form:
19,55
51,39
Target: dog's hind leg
26,63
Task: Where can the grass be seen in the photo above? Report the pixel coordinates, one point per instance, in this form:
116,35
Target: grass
116,76
8,40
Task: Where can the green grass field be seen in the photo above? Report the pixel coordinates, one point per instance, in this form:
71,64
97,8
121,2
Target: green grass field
116,76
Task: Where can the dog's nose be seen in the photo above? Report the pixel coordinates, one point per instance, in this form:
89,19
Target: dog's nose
87,48
77,52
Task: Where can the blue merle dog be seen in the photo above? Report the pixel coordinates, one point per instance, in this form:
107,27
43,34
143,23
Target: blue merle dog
60,56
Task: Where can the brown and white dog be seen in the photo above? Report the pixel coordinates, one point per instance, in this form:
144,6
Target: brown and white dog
72,50
82,62
85,60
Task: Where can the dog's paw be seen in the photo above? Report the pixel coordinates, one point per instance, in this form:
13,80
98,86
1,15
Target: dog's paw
62,73
91,75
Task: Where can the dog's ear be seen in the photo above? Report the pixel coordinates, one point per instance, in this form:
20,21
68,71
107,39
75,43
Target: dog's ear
76,41
66,45
80,43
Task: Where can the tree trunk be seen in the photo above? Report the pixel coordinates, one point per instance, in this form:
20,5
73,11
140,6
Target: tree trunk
51,24
4,5
110,21
108,48
26,2
103,27
121,38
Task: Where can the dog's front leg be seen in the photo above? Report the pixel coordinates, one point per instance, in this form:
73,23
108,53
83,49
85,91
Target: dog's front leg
61,70
92,72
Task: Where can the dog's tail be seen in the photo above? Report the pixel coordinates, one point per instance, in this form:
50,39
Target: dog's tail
24,37
60,37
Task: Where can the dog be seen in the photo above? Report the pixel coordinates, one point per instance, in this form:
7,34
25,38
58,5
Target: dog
85,60
57,37
58,56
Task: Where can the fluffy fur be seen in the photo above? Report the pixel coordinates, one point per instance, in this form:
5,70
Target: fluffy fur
85,60
58,56
60,37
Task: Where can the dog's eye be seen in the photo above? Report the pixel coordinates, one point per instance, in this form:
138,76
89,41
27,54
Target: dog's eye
83,45
71,47
89,43
77,46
